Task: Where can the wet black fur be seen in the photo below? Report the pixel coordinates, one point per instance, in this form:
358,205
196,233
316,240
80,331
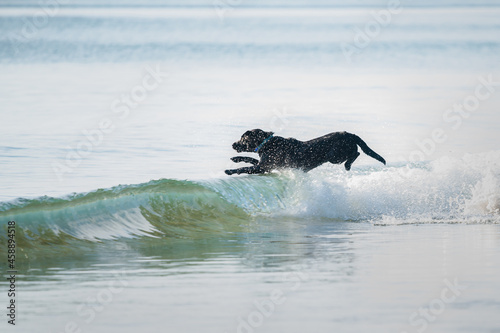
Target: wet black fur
278,152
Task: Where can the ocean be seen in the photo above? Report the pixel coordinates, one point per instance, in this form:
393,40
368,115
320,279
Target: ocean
117,120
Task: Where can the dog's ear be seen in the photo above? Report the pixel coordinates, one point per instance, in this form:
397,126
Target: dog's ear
258,134
264,135
261,135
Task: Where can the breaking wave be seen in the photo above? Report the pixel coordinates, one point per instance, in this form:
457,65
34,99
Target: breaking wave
447,190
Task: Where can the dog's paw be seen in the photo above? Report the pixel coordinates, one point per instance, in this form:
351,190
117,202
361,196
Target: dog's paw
237,159
229,172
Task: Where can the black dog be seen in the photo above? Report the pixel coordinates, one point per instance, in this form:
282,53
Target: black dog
277,152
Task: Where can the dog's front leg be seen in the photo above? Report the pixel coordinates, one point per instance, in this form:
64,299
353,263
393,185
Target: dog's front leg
246,159
249,170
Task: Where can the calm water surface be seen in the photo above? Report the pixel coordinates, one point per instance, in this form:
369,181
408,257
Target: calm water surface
126,221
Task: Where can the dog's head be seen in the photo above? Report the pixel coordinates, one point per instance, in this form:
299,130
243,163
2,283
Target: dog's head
250,140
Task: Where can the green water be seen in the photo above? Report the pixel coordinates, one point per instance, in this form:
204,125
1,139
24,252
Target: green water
330,275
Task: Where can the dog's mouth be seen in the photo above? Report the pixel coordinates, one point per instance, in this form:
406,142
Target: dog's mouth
238,147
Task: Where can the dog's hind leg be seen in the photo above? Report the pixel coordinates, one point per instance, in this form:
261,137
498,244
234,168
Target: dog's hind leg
350,160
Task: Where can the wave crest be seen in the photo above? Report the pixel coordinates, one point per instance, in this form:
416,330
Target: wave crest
457,190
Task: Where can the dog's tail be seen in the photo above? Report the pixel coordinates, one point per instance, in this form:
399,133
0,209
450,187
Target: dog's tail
367,150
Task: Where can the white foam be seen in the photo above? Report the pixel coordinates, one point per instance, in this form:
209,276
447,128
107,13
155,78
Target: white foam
445,190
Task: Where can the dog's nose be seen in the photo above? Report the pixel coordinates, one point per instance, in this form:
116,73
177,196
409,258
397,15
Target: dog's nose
235,145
